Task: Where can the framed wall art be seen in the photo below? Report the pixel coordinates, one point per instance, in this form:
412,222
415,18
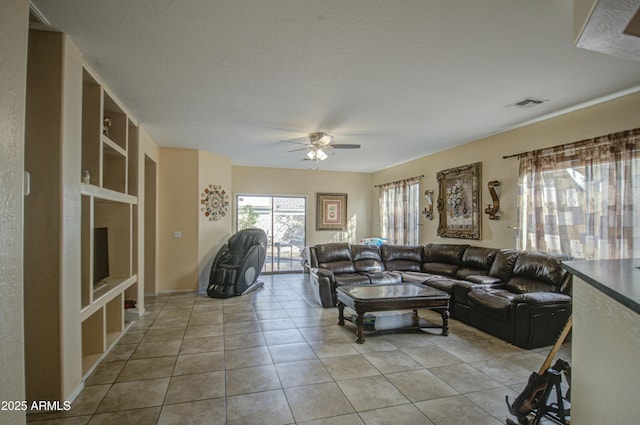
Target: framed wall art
331,211
214,202
459,202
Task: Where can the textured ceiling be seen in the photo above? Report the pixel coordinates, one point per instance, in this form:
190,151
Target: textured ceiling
401,78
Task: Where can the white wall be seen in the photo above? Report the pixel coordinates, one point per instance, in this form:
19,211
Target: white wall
13,69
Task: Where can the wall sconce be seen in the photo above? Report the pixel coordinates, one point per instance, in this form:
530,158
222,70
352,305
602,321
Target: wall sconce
428,211
492,209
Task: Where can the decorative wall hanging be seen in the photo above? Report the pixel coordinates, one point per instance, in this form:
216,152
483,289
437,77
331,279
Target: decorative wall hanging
215,202
331,211
492,209
459,202
428,211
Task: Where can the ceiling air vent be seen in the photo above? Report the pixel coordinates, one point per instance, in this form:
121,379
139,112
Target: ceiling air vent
527,102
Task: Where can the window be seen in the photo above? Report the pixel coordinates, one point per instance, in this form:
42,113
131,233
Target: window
283,220
400,211
582,199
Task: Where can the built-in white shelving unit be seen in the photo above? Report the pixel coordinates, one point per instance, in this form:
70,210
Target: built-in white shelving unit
109,201
84,175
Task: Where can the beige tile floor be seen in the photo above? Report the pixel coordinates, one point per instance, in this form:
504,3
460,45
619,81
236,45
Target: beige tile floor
276,357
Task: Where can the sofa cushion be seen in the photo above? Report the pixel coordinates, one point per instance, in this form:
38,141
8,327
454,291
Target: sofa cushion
329,252
339,267
384,277
368,266
352,279
401,258
444,253
522,285
442,284
543,298
540,267
483,280
476,261
502,266
415,277
365,252
495,303
442,269
366,258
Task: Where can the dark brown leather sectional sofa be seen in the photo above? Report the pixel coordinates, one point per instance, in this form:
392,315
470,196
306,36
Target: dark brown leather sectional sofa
523,297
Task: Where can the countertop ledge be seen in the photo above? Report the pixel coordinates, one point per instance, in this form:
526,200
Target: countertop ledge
619,279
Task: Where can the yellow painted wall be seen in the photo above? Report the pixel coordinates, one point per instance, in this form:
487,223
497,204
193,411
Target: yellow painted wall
146,234
279,181
184,173
13,44
178,212
212,234
607,117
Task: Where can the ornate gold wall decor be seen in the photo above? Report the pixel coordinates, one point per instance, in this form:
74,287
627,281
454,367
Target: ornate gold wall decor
459,202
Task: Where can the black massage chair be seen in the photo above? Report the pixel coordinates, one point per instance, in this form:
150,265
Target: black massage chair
237,265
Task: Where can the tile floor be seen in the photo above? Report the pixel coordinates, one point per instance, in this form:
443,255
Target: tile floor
276,357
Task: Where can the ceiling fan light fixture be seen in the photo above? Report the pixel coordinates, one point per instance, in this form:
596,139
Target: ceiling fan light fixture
325,139
321,155
320,138
317,154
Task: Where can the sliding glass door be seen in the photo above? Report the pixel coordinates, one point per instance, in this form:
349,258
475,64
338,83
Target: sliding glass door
283,218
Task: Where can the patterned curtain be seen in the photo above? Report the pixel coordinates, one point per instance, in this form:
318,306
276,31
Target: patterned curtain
582,199
399,211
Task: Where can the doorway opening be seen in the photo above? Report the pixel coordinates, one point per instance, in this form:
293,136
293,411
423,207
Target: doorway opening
283,218
150,283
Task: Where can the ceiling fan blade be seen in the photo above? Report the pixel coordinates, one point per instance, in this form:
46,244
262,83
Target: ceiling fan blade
297,150
297,140
345,146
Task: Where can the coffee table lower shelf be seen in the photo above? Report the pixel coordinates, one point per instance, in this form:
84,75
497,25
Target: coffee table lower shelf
405,296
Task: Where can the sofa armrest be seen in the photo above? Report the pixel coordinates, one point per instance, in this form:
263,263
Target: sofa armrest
463,287
324,284
543,298
539,318
322,272
483,281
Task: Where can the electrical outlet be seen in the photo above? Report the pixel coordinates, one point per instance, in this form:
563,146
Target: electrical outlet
177,234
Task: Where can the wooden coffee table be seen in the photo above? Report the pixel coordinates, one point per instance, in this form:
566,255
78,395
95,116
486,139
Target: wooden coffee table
401,296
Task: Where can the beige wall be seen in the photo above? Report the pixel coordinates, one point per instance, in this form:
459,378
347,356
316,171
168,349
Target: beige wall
178,200
615,115
278,181
184,173
212,234
147,242
13,63
52,279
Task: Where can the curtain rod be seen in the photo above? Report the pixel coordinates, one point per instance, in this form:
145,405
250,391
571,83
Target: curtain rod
581,143
397,181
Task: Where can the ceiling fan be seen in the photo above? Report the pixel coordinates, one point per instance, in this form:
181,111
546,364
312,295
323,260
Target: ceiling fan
318,145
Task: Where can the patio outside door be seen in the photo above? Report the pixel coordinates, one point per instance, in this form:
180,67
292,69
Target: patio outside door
283,218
